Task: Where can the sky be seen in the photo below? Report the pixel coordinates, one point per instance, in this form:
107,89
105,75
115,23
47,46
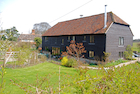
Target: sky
23,14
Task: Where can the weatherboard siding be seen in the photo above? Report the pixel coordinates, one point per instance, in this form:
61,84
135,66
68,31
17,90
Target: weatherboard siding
56,41
112,40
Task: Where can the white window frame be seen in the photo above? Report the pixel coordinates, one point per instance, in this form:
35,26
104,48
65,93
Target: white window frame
121,40
73,38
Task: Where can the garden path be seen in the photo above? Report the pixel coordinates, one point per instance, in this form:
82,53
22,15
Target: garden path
119,65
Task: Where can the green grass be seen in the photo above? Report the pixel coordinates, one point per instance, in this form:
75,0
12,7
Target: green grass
28,75
115,63
135,46
1,62
110,64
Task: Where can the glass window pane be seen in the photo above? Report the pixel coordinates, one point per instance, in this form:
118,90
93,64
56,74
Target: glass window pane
73,38
92,39
84,38
69,38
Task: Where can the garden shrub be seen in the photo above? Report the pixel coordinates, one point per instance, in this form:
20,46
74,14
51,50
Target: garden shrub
64,61
72,62
106,56
43,58
124,80
128,53
68,62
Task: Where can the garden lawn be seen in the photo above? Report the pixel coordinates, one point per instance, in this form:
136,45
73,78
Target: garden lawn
28,75
1,62
135,46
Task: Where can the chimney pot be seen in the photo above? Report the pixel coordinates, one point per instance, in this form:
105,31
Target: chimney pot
105,18
81,16
33,32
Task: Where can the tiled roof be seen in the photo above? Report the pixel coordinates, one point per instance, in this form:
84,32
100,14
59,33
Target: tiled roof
29,36
86,25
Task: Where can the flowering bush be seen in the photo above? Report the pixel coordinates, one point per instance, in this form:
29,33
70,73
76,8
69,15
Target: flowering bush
68,62
64,61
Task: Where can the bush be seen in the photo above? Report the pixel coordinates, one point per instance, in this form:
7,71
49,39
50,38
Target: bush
128,53
106,56
64,61
71,62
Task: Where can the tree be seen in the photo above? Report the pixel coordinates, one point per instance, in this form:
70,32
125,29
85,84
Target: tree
3,37
38,41
10,34
40,28
75,50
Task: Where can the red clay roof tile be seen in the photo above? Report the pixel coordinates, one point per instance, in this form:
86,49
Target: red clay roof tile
86,25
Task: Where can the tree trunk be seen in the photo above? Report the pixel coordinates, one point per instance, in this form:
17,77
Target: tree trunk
4,60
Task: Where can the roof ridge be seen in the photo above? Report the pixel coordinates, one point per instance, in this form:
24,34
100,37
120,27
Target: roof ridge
117,19
82,17
112,17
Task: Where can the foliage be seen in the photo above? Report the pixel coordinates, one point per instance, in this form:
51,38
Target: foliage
136,46
40,28
10,34
23,52
3,37
114,81
75,50
68,62
38,41
2,85
64,61
43,58
5,45
109,64
24,56
72,62
106,56
80,81
128,53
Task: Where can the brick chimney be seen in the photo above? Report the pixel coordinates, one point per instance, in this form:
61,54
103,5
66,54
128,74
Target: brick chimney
33,32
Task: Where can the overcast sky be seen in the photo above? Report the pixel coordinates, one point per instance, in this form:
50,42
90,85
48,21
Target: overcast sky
23,14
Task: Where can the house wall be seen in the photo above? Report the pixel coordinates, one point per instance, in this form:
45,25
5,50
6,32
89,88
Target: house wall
56,41
112,40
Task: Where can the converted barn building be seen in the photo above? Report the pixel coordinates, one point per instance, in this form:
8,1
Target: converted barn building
98,33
